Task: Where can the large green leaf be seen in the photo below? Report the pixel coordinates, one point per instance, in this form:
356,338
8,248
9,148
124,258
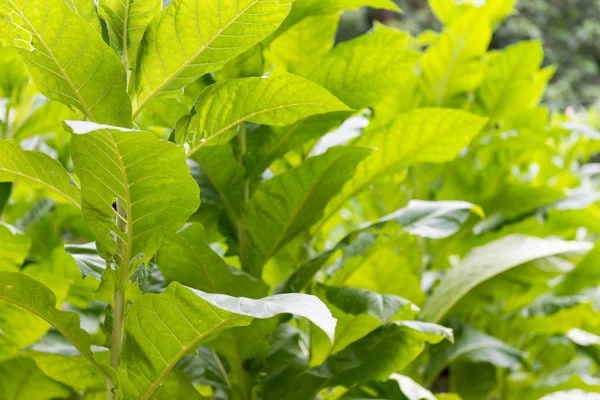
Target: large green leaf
127,22
452,65
269,143
188,259
177,50
148,177
362,71
21,379
488,261
87,10
430,219
36,170
67,59
384,351
162,329
474,346
14,248
279,100
291,202
424,135
17,289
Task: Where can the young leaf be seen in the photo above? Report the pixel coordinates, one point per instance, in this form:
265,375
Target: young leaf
362,71
288,203
15,247
36,170
488,261
147,177
175,50
162,329
424,135
188,259
67,59
279,100
17,289
127,21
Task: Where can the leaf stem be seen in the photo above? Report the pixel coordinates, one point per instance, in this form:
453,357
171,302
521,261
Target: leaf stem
241,151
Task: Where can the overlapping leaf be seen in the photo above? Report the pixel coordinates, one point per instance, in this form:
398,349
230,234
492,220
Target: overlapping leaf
67,59
37,170
288,203
488,261
190,38
147,177
279,100
423,135
162,329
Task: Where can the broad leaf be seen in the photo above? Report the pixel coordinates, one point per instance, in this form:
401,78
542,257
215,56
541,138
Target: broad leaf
362,71
127,21
279,100
269,143
21,379
14,248
474,346
17,289
87,10
147,177
162,329
188,259
67,59
37,170
386,350
411,389
488,261
424,135
176,51
87,259
430,219
287,204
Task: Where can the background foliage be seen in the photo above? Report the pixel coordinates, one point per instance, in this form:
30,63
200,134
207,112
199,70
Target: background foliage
280,215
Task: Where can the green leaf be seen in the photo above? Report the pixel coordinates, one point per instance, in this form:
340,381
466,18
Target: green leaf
386,350
162,329
430,219
148,177
188,259
21,379
422,136
361,72
314,35
488,261
411,389
87,10
175,51
360,301
452,65
87,259
71,370
269,143
17,289
67,59
127,21
572,395
287,204
473,346
279,100
513,82
36,170
15,247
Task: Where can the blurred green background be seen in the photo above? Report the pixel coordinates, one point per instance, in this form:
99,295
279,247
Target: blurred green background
569,29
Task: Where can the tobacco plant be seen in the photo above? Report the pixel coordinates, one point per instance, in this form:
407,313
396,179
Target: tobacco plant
213,199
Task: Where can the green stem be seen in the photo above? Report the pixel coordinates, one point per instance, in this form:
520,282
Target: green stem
122,272
241,151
